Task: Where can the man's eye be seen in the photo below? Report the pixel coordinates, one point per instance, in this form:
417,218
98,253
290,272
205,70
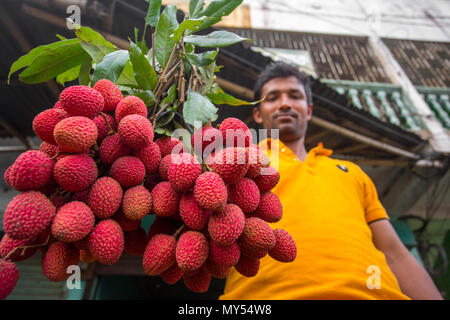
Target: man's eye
271,98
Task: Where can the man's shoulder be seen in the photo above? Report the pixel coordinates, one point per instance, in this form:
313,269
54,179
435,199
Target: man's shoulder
345,165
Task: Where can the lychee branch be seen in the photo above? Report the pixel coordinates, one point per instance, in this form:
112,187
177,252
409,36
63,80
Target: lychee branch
24,248
178,231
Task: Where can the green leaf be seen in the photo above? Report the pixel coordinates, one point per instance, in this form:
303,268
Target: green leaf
85,72
163,43
196,8
202,59
111,66
198,108
143,72
208,77
60,37
94,43
54,62
127,76
163,131
218,9
218,97
154,9
147,96
171,94
27,59
164,122
215,39
69,75
187,25
189,47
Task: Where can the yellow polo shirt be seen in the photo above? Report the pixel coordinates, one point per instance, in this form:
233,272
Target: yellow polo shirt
327,205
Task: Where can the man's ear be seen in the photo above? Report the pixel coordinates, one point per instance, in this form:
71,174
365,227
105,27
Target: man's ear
257,115
309,114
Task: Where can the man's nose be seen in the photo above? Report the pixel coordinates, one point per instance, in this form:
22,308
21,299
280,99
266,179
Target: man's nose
285,102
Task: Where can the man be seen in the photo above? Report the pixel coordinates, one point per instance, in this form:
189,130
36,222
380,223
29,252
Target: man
346,246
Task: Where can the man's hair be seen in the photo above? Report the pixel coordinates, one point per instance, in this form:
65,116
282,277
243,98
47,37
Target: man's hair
282,70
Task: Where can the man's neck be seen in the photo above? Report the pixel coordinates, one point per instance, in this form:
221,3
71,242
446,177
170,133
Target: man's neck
297,147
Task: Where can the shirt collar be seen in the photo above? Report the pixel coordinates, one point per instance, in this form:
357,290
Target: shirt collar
267,145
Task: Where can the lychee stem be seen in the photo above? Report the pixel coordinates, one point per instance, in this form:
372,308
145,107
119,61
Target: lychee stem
24,248
111,131
178,231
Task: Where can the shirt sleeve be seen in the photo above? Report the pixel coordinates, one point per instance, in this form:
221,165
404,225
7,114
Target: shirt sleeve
373,208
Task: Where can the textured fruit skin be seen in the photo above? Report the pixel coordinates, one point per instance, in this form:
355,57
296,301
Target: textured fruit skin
130,105
172,275
75,172
245,194
164,167
183,171
6,176
159,254
247,266
57,259
238,133
165,199
226,226
192,250
102,127
167,144
230,163
251,252
135,131
9,274
73,222
269,209
27,215
110,92
75,134
192,214
150,157
199,281
105,197
58,105
125,223
285,249
44,123
137,202
224,256
135,242
106,242
81,101
112,149
81,196
204,137
7,245
257,235
268,180
49,149
128,171
32,170
210,191
219,272
257,159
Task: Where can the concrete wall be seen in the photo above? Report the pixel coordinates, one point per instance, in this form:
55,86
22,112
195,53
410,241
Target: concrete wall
404,19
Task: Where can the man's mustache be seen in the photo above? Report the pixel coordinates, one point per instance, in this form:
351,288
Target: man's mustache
284,113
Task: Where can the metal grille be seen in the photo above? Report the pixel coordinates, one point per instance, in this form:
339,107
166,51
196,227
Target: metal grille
334,57
425,63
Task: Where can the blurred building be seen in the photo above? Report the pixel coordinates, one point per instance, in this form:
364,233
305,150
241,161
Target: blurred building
381,88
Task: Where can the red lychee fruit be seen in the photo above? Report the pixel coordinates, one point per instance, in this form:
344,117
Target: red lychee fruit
110,92
75,172
44,123
192,251
285,249
210,191
235,133
106,242
245,194
128,171
135,131
183,171
130,105
82,101
75,134
226,226
159,254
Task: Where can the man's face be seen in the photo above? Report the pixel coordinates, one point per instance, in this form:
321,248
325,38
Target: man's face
285,108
